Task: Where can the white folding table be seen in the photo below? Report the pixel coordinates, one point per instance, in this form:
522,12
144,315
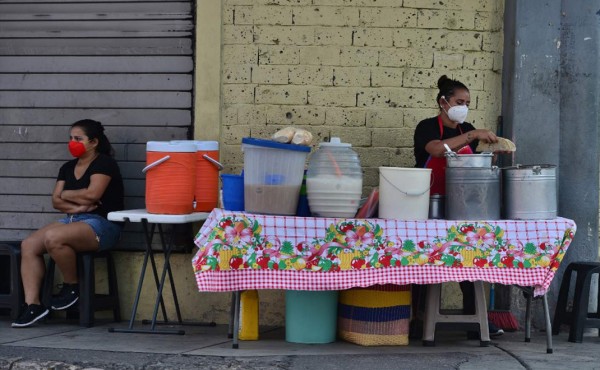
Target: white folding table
149,223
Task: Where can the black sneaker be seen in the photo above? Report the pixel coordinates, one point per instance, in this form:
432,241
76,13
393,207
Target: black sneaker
68,296
30,315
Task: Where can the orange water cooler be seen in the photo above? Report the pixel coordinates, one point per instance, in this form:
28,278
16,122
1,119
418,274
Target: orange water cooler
207,167
170,177
207,175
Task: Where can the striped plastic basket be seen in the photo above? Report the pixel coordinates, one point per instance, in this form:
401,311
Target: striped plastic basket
375,316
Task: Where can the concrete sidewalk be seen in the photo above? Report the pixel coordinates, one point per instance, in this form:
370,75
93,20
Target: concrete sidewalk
58,344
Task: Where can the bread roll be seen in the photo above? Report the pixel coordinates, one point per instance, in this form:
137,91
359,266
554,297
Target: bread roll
285,135
302,137
503,145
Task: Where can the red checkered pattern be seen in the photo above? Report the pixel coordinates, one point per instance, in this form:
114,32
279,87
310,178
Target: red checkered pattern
232,280
298,229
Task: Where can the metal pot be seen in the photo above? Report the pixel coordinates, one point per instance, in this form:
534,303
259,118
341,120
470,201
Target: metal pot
469,160
472,193
530,192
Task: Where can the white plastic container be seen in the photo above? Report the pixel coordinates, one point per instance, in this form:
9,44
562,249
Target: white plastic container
334,180
404,193
273,175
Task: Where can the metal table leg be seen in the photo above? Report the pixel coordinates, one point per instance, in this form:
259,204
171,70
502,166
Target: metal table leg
231,316
167,250
528,291
149,237
137,297
528,316
166,269
236,320
159,284
548,325
167,254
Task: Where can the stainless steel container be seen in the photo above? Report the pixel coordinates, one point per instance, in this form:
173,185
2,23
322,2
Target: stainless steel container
469,160
530,192
472,193
437,205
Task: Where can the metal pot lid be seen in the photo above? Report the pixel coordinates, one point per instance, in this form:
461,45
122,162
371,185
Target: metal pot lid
477,155
530,167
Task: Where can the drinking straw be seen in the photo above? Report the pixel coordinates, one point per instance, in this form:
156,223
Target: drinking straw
338,172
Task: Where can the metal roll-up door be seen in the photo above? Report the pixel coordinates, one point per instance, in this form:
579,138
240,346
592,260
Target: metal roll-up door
128,64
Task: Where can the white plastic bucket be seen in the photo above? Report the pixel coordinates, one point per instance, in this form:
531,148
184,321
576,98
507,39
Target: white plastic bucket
404,193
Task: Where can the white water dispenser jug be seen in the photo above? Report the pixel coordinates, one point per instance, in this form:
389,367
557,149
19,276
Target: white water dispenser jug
334,180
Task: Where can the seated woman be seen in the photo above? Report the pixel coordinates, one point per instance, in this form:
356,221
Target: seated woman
87,189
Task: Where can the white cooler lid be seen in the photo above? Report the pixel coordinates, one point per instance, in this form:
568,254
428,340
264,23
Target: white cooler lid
200,145
207,145
171,146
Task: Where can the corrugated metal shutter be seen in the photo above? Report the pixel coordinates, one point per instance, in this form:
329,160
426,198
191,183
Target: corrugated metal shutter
128,64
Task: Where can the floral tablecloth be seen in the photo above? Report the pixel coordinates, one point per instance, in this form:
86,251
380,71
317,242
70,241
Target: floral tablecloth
239,251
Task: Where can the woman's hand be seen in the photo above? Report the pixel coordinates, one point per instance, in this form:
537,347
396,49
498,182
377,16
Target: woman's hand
85,208
484,135
80,208
437,149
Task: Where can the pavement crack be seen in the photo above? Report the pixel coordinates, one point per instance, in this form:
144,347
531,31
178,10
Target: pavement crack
520,360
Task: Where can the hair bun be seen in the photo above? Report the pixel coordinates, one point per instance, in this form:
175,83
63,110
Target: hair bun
444,80
99,125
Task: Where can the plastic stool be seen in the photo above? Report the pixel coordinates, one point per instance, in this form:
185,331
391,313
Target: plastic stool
433,316
579,318
13,299
89,300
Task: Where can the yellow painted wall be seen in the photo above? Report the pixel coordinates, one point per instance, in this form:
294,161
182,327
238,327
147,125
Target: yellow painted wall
364,70
194,305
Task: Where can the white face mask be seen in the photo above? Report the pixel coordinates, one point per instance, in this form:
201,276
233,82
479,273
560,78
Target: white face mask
457,113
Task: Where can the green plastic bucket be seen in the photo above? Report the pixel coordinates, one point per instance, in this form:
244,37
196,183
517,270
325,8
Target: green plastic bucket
310,316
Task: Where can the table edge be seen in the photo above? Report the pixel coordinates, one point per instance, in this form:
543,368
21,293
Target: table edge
138,215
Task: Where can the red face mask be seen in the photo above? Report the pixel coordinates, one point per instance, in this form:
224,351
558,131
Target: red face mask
76,148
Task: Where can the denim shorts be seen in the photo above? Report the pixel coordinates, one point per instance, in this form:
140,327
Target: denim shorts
107,233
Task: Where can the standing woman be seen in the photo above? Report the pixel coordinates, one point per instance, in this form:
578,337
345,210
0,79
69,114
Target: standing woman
87,189
449,127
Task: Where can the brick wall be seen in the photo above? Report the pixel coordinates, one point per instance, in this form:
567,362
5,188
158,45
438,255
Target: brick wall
364,70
